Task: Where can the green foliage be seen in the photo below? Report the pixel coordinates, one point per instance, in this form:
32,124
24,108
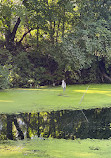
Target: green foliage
21,71
89,41
4,80
75,52
51,40
4,56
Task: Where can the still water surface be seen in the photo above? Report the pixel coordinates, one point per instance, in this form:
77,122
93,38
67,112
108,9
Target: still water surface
66,124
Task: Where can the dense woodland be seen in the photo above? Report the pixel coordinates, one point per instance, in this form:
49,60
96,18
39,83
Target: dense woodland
45,41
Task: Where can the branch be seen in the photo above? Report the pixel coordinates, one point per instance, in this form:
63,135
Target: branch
24,1
15,28
24,35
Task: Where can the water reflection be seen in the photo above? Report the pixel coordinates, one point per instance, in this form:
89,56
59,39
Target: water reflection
57,124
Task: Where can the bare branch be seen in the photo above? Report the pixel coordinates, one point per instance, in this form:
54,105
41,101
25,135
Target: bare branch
24,35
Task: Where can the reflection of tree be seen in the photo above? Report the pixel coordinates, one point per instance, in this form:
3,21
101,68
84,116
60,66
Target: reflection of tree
9,127
51,124
71,124
32,121
20,135
3,125
38,125
27,122
98,126
59,124
10,120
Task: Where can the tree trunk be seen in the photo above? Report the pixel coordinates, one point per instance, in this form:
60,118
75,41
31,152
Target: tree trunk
52,31
37,37
103,72
57,32
63,24
10,36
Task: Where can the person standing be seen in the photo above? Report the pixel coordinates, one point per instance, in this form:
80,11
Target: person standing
63,85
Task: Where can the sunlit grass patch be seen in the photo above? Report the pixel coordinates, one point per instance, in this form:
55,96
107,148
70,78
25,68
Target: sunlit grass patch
93,91
11,150
84,154
6,101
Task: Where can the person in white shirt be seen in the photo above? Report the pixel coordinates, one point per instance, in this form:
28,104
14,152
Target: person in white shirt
63,85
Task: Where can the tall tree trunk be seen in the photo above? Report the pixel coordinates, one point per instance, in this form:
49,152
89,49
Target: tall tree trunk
10,36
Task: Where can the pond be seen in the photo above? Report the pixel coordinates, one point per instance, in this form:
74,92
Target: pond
66,124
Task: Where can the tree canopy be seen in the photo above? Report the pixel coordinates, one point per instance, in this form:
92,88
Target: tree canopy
44,41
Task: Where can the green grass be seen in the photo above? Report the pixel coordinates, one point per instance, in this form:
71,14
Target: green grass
47,98
54,148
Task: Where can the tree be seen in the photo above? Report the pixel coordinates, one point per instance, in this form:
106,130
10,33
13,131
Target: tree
90,39
57,39
11,14
51,21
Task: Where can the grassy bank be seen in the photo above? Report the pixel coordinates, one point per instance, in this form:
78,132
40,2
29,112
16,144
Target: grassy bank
53,148
47,98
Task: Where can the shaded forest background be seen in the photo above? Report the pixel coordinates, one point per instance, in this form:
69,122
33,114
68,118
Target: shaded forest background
45,41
